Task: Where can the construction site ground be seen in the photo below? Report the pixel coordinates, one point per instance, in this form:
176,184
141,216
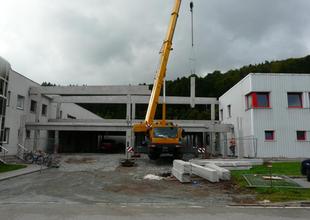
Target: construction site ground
98,178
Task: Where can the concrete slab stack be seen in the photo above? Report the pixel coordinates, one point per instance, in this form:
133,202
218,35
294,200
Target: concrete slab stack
212,170
182,171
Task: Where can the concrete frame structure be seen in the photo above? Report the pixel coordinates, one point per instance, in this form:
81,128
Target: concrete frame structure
130,96
47,109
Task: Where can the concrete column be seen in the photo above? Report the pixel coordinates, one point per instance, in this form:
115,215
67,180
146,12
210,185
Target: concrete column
133,111
36,141
224,144
128,108
212,142
212,112
58,110
129,140
56,142
39,107
193,91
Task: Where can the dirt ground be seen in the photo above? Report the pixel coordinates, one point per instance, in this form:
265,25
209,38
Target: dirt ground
100,179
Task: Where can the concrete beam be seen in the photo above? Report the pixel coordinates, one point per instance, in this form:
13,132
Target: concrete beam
182,177
121,125
134,99
206,173
91,90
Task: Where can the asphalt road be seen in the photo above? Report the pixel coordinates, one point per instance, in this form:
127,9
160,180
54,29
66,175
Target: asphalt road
111,212
95,187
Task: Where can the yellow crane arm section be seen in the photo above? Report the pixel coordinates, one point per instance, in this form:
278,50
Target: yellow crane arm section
161,72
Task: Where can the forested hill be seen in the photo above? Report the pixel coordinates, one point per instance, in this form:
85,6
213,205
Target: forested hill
215,84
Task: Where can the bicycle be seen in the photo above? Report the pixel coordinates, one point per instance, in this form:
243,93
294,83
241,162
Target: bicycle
34,157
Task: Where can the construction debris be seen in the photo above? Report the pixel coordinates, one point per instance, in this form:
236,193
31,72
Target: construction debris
152,177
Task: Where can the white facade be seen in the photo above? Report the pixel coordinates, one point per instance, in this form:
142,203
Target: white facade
279,118
18,113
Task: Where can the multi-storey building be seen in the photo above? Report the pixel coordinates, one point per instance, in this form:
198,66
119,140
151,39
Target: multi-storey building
271,110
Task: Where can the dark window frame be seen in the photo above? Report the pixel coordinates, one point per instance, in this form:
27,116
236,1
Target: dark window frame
269,138
33,106
301,137
299,94
44,110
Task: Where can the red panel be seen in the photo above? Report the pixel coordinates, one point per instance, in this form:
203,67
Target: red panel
254,99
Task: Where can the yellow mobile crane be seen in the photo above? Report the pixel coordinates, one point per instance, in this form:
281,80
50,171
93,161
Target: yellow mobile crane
161,136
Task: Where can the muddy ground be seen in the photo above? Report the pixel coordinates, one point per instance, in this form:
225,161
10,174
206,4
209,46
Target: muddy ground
92,179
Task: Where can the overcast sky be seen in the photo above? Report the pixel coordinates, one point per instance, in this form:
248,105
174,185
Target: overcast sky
102,42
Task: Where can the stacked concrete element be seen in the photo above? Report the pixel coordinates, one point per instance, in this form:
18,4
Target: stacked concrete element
206,173
183,171
230,164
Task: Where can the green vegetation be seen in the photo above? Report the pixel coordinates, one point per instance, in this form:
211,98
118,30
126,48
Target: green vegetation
10,167
209,85
274,194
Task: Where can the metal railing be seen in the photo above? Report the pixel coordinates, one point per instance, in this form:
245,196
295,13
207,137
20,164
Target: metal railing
21,150
4,152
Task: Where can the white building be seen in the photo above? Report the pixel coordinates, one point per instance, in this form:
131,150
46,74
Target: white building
22,107
270,114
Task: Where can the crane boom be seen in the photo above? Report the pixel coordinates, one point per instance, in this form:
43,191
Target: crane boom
161,137
161,73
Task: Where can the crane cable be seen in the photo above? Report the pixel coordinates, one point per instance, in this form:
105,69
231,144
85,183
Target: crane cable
192,58
191,5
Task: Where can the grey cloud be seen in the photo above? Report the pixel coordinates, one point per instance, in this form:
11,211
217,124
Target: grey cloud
117,41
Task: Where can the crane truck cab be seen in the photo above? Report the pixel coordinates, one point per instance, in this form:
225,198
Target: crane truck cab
165,139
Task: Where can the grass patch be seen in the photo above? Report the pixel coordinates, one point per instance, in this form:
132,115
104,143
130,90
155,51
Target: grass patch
10,167
274,194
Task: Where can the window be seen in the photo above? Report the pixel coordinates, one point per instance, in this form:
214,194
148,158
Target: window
258,100
222,114
8,98
2,86
6,136
229,111
33,106
294,99
269,135
28,133
20,102
301,135
44,109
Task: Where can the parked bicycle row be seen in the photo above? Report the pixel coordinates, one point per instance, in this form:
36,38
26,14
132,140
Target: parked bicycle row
41,158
